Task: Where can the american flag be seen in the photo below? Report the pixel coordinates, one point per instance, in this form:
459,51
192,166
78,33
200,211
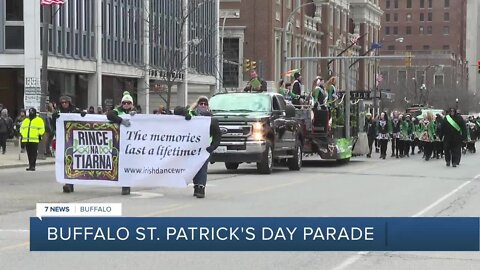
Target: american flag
52,2
354,38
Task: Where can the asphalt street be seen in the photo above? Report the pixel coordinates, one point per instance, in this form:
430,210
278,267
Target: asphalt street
362,188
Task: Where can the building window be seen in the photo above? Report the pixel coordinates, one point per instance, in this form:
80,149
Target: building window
231,48
446,16
422,17
396,3
409,3
429,30
446,47
430,16
289,4
387,17
13,25
422,3
402,77
14,37
409,17
429,3
391,47
14,10
387,30
408,30
387,4
421,30
438,80
395,30
426,47
408,48
395,17
447,3
446,30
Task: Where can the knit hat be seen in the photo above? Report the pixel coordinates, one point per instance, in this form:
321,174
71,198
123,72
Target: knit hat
66,98
127,97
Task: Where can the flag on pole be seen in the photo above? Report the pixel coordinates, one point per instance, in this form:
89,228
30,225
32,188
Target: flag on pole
52,2
291,72
354,38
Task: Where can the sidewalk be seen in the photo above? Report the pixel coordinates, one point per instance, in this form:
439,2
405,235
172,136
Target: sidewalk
13,158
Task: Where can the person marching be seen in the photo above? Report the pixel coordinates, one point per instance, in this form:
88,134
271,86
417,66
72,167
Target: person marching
66,106
31,130
417,128
411,135
371,130
427,135
395,133
126,107
201,108
453,132
384,128
438,144
405,133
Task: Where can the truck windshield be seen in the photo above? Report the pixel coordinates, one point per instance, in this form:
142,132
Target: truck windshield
240,102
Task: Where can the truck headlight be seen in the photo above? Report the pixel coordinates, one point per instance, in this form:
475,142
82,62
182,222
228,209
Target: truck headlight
257,133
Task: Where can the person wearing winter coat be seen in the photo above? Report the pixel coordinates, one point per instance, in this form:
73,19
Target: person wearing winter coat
6,129
65,106
371,130
126,107
32,130
453,133
201,108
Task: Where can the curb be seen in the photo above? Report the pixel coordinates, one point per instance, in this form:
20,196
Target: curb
26,164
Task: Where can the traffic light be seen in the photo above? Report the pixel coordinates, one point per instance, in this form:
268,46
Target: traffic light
408,59
253,65
246,65
478,66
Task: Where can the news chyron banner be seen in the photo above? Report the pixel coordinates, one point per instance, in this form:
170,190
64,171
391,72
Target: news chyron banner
249,233
155,150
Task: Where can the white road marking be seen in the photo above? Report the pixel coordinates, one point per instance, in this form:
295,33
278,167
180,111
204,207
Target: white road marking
354,258
145,195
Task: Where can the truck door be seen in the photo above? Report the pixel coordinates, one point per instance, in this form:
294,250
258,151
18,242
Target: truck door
280,125
290,125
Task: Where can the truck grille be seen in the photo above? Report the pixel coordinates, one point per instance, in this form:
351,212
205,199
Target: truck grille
235,134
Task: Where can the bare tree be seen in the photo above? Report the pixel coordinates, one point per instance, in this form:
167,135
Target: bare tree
173,56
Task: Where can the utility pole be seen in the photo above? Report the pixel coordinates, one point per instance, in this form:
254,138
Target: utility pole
44,84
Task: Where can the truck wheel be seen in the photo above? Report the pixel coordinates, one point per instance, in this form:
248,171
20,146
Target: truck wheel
231,165
295,163
266,165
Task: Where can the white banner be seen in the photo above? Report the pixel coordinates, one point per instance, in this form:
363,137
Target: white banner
156,150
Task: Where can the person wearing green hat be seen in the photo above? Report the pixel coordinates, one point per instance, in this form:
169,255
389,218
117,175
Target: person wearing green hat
126,107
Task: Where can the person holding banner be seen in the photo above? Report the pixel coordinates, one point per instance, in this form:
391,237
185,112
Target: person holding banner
201,108
126,107
65,106
453,132
31,131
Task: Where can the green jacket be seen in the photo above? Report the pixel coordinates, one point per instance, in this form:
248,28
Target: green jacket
406,130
